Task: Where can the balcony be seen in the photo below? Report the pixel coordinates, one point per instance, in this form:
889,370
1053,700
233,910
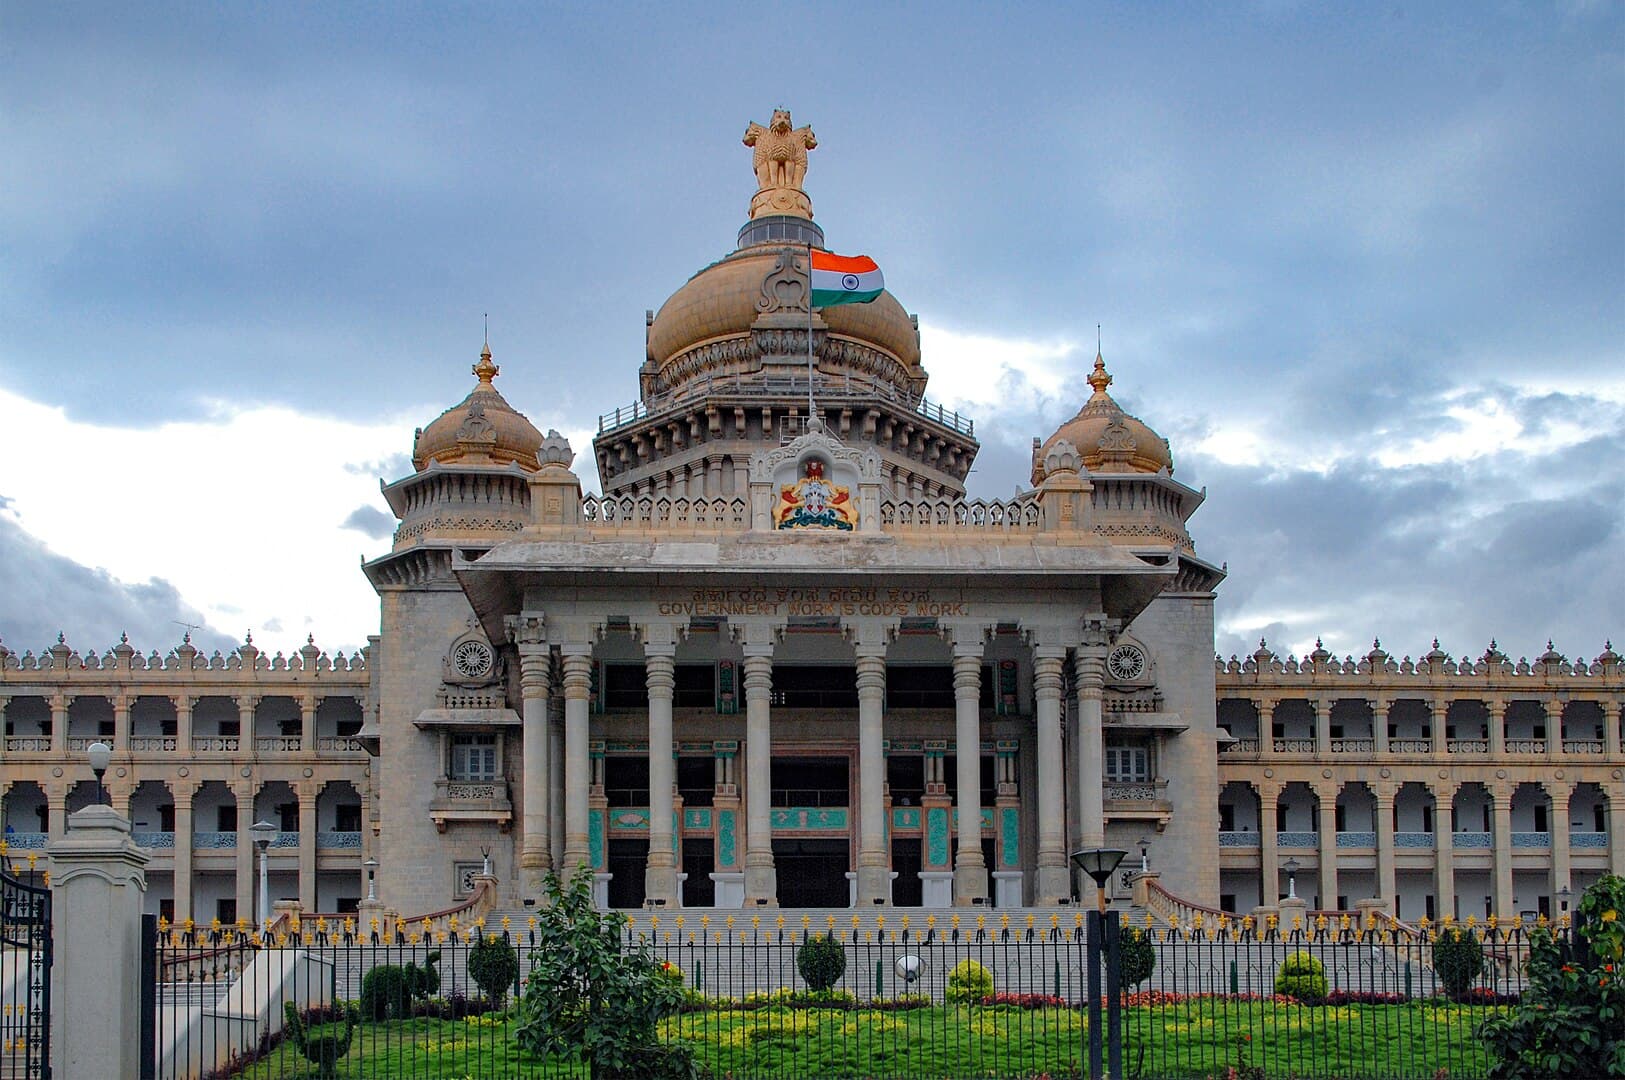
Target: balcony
276,744
1356,839
334,840
1410,746
28,841
1480,840
1468,746
470,800
1353,746
1414,840
158,841
1294,746
216,744
28,744
1240,746
213,841
1588,840
339,744
1245,839
154,744
1526,746
1582,746
1309,840
1531,840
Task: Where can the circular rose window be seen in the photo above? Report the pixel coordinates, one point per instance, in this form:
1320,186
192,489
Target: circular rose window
472,659
1126,663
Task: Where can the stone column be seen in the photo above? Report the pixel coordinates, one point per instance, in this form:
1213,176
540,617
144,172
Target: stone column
1054,882
660,676
1439,720
1326,792
1611,713
1266,726
874,864
183,723
1498,727
307,723
59,725
1616,828
248,732
1558,821
1504,904
247,866
761,881
1269,859
121,723
1554,726
1387,878
308,826
577,765
1444,849
1379,736
1323,725
56,809
527,630
1091,674
970,870
98,876
181,790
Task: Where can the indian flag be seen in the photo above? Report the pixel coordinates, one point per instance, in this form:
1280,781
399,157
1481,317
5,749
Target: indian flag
844,279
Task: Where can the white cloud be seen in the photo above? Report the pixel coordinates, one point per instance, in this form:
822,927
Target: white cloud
242,512
989,375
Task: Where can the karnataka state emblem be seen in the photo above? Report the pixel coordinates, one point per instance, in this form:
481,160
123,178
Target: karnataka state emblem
814,503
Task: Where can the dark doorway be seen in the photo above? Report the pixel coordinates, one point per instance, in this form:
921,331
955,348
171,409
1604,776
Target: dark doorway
990,857
812,873
627,860
906,890
699,859
811,781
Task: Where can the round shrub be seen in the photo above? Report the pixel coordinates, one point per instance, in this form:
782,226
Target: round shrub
1136,957
1458,959
821,961
1303,977
968,983
384,993
493,965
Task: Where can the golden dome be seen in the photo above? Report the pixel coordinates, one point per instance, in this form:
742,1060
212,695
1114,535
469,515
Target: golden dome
720,301
482,429
1109,439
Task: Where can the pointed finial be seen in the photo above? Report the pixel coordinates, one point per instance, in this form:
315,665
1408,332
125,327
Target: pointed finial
485,370
1100,378
487,332
1549,645
310,639
248,639
1435,642
1492,645
1376,643
1318,645
61,638
123,638
186,638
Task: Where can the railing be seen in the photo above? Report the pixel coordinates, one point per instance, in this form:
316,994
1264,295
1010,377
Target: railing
157,840
1243,839
1356,839
276,744
337,840
1410,746
218,744
1297,839
646,511
1134,790
1578,839
28,744
1467,746
1295,746
82,742
154,743
1353,746
1472,840
1531,840
338,743
1582,746
830,390
1240,746
1413,840
1009,516
26,840
210,840
1526,746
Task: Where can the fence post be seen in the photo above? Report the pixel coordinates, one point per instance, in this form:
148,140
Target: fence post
1114,996
1095,932
98,876
148,1050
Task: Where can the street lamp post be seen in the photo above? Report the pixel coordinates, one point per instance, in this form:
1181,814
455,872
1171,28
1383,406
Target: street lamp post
264,832
100,755
1145,855
1291,868
372,869
1102,932
1563,898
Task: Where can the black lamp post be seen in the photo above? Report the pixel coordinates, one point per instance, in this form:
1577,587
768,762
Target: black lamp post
1102,942
100,755
1145,855
1563,898
372,868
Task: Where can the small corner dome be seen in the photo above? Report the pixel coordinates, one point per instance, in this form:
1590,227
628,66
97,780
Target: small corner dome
1110,440
482,429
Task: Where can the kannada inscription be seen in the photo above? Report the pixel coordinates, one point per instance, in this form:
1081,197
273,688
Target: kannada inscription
840,601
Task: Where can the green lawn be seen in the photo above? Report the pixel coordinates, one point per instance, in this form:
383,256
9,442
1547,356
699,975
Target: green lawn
1192,1039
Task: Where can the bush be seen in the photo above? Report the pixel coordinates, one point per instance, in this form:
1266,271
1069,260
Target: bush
1303,977
1136,957
968,983
493,965
1569,1019
821,961
322,1050
1458,958
387,991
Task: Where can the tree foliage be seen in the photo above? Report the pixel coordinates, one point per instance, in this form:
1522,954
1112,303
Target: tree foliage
1570,1019
821,961
1303,977
388,990
595,996
493,965
968,983
1136,957
1458,958
322,1048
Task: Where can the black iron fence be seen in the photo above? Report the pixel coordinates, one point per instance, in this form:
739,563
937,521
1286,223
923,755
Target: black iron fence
25,970
906,1004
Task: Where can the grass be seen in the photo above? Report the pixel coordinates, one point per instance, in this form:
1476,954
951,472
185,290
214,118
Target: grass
1195,1038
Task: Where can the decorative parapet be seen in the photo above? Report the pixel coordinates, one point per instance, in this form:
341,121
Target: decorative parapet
184,660
1265,668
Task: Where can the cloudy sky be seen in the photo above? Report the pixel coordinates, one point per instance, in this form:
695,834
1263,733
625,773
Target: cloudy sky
1364,265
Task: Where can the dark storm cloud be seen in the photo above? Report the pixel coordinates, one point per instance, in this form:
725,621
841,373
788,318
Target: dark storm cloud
371,521
42,593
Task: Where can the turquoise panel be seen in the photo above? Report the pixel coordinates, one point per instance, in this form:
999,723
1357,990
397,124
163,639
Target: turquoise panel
936,836
1010,837
595,839
726,853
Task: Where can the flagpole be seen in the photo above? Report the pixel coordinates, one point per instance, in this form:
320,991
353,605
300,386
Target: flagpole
811,408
